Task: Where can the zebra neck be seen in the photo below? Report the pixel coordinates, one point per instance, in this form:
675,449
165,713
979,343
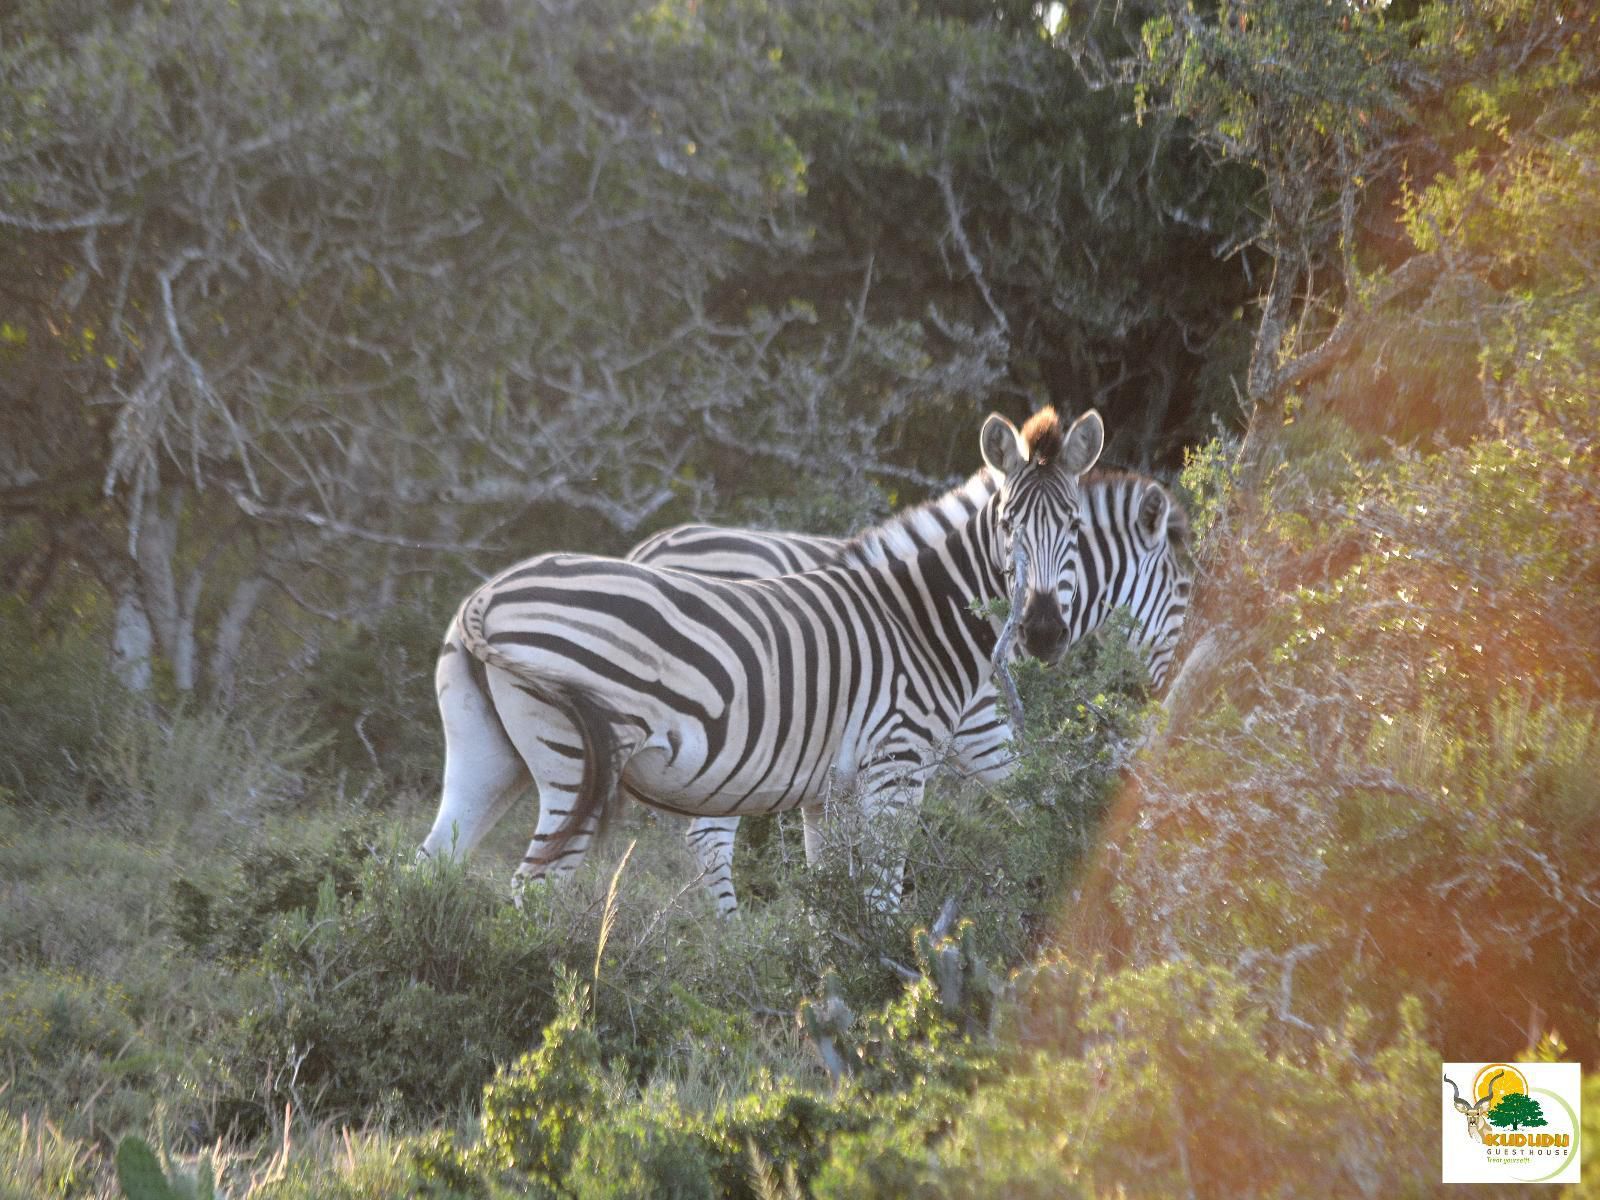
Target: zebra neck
1106,551
946,583
913,530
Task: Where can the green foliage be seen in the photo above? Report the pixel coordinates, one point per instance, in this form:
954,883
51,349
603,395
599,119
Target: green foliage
1517,1109
1170,1070
200,772
535,1111
1210,473
371,691
1589,1186
140,1174
269,879
791,1124
57,700
404,991
640,1154
72,1034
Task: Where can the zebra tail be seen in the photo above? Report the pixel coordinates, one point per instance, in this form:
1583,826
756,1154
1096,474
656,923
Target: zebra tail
597,789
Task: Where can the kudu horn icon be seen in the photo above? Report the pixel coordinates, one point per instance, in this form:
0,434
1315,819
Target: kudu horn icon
1476,1112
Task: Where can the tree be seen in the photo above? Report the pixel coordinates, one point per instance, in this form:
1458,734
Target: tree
1413,492
1517,1109
1315,99
300,301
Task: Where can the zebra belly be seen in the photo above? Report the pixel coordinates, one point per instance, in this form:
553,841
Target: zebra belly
670,771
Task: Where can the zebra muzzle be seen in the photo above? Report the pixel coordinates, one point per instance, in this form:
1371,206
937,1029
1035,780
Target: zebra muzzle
1044,629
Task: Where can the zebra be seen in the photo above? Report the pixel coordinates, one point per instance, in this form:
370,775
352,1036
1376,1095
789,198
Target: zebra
1133,545
709,697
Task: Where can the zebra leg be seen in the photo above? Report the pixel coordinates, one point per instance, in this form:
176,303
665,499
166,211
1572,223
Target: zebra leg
711,838
483,773
891,793
552,747
982,742
813,832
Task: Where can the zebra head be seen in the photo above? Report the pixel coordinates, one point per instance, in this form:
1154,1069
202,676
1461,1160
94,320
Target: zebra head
1161,577
1039,511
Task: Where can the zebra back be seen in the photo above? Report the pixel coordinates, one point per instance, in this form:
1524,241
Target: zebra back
742,553
1134,542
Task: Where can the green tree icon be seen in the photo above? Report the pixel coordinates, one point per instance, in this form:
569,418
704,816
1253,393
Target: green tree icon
1517,1109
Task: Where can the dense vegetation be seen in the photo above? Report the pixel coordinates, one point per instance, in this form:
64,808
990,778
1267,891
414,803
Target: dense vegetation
312,312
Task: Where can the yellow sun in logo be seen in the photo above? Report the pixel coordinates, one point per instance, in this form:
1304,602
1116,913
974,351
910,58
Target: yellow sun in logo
1511,1080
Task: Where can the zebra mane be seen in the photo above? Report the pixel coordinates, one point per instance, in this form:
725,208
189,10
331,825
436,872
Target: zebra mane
913,530
1042,436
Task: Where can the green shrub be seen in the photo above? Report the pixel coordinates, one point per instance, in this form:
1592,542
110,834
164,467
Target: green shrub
142,1178
1176,1089
791,1126
371,690
71,1040
535,1111
199,775
1404,721
648,1151
1210,474
404,992
230,916
58,697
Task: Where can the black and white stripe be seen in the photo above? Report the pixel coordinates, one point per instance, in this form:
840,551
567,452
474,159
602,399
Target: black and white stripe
715,698
1133,549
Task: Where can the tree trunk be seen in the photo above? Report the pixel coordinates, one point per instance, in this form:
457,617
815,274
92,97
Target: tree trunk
230,636
156,552
132,641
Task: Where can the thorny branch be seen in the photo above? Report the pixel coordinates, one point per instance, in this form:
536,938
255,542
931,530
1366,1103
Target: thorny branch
1007,639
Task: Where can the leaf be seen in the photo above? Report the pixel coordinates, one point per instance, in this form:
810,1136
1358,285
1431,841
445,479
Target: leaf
139,1172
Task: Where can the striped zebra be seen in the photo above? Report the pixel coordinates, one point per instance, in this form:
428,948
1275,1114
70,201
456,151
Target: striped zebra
1132,545
709,697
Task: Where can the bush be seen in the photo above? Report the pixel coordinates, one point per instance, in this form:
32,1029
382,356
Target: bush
649,1151
401,994
71,1041
1324,804
371,690
57,699
1175,1090
230,917
199,775
535,1111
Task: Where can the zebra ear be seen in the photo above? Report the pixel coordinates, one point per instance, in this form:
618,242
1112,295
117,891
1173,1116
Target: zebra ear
1085,440
1155,506
1002,446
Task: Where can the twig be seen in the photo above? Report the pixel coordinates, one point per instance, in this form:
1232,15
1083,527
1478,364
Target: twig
1008,637
952,208
906,974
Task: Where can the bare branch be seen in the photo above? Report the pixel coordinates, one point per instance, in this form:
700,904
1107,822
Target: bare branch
958,231
252,508
1008,637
